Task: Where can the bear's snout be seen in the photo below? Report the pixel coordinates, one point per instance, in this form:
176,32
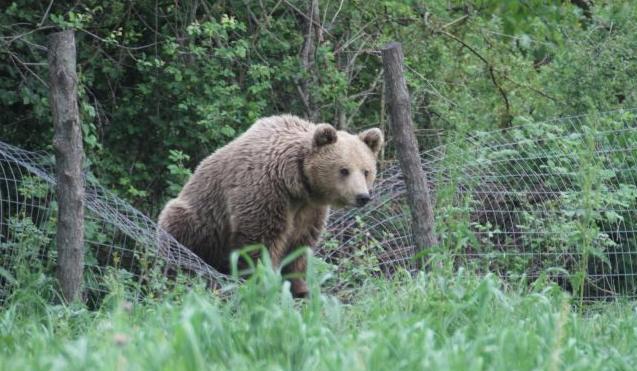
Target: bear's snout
362,199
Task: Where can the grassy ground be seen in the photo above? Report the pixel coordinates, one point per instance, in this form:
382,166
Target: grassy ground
459,322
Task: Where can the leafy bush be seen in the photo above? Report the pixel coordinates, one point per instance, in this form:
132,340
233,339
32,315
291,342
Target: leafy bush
550,195
157,77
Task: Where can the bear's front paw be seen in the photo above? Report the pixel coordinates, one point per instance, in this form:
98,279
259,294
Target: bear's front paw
299,289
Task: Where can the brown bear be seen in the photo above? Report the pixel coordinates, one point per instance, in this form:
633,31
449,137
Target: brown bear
272,185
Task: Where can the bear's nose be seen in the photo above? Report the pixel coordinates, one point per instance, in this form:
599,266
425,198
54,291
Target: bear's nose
362,199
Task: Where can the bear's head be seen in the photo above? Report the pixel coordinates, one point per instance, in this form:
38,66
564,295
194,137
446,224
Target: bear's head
341,167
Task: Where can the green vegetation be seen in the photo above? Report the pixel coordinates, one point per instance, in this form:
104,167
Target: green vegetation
164,83
436,321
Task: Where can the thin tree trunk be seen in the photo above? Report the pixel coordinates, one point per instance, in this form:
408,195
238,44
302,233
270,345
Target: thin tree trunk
313,36
69,154
407,148
340,116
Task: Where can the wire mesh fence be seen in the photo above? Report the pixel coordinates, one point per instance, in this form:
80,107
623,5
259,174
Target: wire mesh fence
554,200
117,236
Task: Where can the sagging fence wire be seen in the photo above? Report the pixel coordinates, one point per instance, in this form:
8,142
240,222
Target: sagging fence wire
116,234
554,200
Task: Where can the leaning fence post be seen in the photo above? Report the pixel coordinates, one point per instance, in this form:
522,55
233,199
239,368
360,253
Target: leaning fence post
407,149
69,153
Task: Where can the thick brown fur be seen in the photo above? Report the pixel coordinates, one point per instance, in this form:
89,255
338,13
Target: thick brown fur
272,185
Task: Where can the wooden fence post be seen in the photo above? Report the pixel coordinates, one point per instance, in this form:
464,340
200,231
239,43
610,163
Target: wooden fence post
407,149
69,154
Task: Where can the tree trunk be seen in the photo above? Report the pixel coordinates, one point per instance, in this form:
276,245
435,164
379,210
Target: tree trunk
313,35
69,153
407,148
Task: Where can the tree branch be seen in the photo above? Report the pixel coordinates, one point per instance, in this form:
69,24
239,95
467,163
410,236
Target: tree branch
491,70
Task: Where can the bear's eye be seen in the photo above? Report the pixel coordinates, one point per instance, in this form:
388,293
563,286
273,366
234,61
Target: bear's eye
366,172
344,172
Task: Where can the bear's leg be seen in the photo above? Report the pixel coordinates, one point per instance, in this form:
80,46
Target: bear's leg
274,243
308,227
299,287
276,250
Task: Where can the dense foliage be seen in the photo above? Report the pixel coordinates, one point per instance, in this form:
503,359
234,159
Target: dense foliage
164,83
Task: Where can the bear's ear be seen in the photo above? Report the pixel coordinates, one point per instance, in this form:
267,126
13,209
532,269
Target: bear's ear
373,138
323,135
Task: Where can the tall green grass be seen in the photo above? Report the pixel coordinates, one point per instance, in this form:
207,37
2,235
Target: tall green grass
437,321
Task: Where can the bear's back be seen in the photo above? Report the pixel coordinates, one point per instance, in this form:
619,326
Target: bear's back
275,131
251,160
